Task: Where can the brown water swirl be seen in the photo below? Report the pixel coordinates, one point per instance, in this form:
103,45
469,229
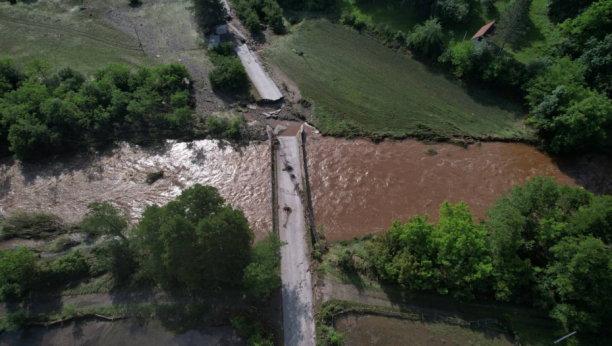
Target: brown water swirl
66,187
359,187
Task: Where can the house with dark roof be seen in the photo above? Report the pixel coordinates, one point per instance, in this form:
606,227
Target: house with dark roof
484,32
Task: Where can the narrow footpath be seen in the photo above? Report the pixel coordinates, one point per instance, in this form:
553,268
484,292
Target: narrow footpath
298,318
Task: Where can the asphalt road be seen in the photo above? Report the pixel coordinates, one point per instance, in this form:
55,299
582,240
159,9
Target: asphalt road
298,319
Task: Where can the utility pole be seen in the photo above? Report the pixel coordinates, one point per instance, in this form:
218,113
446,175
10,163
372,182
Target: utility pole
139,42
464,35
300,40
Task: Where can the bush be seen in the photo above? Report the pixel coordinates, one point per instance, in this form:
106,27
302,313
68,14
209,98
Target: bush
252,331
16,272
229,75
15,321
427,39
345,260
262,275
69,267
31,225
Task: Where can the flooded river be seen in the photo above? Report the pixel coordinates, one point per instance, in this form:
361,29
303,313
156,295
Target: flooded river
357,186
65,187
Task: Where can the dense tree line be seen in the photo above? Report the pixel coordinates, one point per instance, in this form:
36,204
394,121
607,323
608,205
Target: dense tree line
567,90
540,243
46,112
255,14
195,242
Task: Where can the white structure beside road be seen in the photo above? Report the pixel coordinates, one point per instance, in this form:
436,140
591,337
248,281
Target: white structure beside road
266,88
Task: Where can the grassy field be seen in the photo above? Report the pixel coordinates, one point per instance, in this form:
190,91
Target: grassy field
393,14
63,35
362,88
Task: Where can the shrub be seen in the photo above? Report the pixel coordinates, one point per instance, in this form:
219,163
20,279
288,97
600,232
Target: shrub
16,272
229,75
345,260
69,267
31,225
262,275
427,39
15,321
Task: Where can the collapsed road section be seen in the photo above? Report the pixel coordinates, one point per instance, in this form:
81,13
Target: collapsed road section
298,318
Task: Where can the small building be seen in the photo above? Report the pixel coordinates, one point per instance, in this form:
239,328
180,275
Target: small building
484,32
221,30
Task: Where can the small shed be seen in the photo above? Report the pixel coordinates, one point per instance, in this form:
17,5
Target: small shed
213,41
485,31
221,30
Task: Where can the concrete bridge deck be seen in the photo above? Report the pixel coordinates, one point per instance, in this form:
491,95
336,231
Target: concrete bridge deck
298,318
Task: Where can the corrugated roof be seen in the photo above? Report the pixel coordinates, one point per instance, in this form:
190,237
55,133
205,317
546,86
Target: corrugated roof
483,30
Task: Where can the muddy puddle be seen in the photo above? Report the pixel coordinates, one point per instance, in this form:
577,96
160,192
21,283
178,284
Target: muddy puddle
65,187
370,330
359,187
129,332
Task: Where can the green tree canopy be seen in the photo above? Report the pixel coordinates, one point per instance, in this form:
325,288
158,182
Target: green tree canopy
195,241
514,23
577,286
524,225
263,275
427,39
454,257
209,13
16,272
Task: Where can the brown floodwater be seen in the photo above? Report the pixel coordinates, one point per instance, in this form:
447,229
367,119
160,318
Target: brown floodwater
357,186
371,330
65,187
360,187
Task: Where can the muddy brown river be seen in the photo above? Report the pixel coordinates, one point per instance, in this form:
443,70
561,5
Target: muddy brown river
357,186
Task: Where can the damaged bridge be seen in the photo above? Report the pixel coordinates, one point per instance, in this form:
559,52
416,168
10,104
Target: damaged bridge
294,223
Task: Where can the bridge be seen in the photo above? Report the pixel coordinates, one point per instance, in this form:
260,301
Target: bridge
293,220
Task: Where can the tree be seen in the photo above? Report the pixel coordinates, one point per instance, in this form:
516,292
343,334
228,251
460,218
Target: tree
514,23
209,14
523,225
464,253
16,272
104,219
229,75
597,64
262,275
570,117
560,10
595,22
69,267
427,39
577,286
585,125
10,76
115,255
194,241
